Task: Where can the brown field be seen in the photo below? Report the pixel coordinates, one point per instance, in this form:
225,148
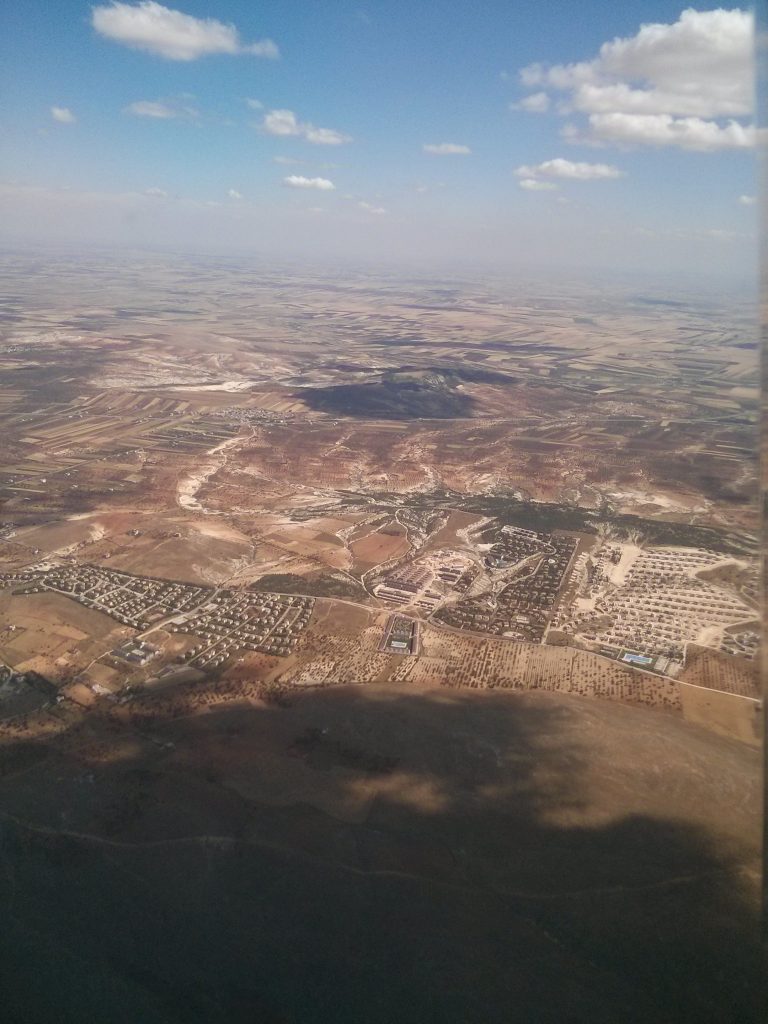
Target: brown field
549,397
724,713
717,671
343,619
378,547
338,635
57,637
447,536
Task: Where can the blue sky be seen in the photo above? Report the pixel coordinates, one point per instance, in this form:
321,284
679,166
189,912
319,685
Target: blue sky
130,122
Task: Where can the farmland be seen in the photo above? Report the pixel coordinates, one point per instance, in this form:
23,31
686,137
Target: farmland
499,467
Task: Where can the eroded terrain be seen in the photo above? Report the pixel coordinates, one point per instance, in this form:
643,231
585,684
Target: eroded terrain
418,599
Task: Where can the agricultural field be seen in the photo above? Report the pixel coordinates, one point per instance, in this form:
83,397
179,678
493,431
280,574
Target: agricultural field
561,484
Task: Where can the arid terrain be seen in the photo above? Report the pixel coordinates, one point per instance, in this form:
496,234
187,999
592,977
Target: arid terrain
408,625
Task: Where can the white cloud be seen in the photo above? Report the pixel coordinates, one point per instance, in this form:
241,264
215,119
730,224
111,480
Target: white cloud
445,148
156,193
149,108
285,123
324,136
281,122
688,76
286,160
600,99
567,169
156,29
664,130
63,115
299,181
532,185
370,208
255,104
747,200
234,194
536,103
162,110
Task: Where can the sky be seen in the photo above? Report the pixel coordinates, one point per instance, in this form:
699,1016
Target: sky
510,133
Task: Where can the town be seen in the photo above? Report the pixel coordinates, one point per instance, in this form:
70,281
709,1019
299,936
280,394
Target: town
225,622
645,605
525,576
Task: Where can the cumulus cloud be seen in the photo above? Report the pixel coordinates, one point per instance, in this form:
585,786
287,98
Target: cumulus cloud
370,208
156,193
692,133
234,194
285,123
299,181
254,104
63,115
567,169
172,34
445,148
683,84
747,200
533,185
536,103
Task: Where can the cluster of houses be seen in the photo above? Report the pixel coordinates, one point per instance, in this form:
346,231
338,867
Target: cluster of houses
514,545
523,607
661,605
236,621
135,601
225,622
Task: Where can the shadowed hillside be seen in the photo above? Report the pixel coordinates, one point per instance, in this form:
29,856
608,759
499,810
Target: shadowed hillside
372,855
